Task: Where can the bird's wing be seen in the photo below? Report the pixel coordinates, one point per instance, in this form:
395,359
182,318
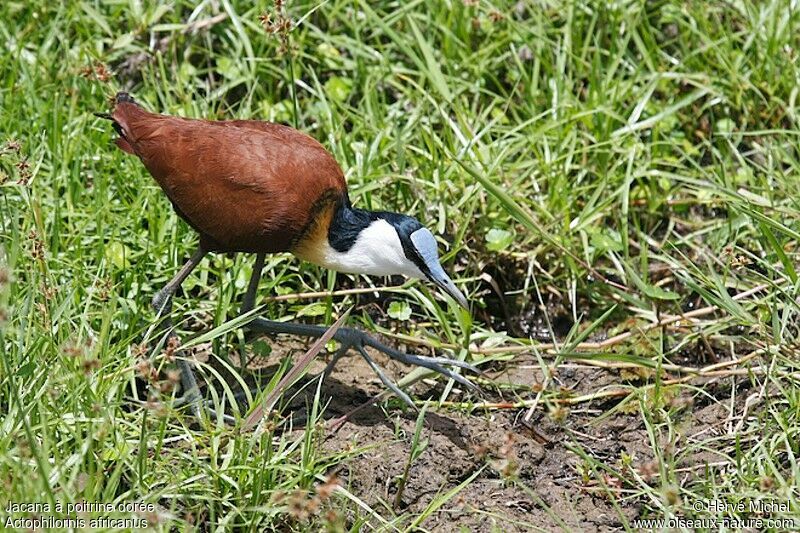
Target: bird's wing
244,185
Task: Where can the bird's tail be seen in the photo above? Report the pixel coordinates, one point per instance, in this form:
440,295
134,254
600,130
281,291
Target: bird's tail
118,118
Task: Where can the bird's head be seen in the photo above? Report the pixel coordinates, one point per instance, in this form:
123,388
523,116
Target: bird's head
385,244
421,254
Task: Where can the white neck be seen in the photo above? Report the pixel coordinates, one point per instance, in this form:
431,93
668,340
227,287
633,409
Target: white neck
376,252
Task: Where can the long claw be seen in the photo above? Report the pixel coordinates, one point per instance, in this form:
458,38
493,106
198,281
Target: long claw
386,381
456,377
338,355
418,360
192,396
435,365
352,338
162,304
432,363
446,372
446,361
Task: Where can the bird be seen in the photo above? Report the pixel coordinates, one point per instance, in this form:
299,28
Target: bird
257,187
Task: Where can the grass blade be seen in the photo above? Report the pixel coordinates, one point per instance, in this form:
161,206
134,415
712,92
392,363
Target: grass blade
297,370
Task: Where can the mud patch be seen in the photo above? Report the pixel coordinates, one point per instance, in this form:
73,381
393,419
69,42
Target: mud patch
527,476
522,483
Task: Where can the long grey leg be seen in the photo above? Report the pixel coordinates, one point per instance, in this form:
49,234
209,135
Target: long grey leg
249,300
162,303
353,338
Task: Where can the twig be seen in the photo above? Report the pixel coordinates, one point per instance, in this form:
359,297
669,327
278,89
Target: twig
194,27
347,292
666,366
337,424
583,346
618,391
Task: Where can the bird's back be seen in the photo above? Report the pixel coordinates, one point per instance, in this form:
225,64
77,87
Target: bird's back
245,186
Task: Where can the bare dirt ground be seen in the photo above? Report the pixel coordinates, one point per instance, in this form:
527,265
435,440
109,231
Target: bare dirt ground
549,488
461,444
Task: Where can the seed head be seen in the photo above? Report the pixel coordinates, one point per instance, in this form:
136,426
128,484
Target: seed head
90,365
324,490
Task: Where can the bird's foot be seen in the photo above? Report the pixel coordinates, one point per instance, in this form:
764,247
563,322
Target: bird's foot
191,396
162,302
359,340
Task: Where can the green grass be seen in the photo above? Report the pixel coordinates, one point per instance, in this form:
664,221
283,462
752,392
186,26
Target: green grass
609,165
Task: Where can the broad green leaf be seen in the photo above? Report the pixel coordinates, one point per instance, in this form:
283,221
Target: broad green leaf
498,239
315,309
603,241
337,88
399,310
117,254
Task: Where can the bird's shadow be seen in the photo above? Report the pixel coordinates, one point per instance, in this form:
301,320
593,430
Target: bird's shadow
339,399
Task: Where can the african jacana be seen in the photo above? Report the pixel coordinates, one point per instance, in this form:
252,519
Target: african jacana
259,187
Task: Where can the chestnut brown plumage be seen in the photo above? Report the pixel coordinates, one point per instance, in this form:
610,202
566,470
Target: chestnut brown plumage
243,185
258,187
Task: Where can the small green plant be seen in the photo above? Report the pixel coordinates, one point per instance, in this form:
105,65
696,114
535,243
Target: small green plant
418,446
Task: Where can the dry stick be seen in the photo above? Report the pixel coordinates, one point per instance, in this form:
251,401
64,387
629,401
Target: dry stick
337,424
266,406
196,26
586,346
619,392
345,292
617,365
